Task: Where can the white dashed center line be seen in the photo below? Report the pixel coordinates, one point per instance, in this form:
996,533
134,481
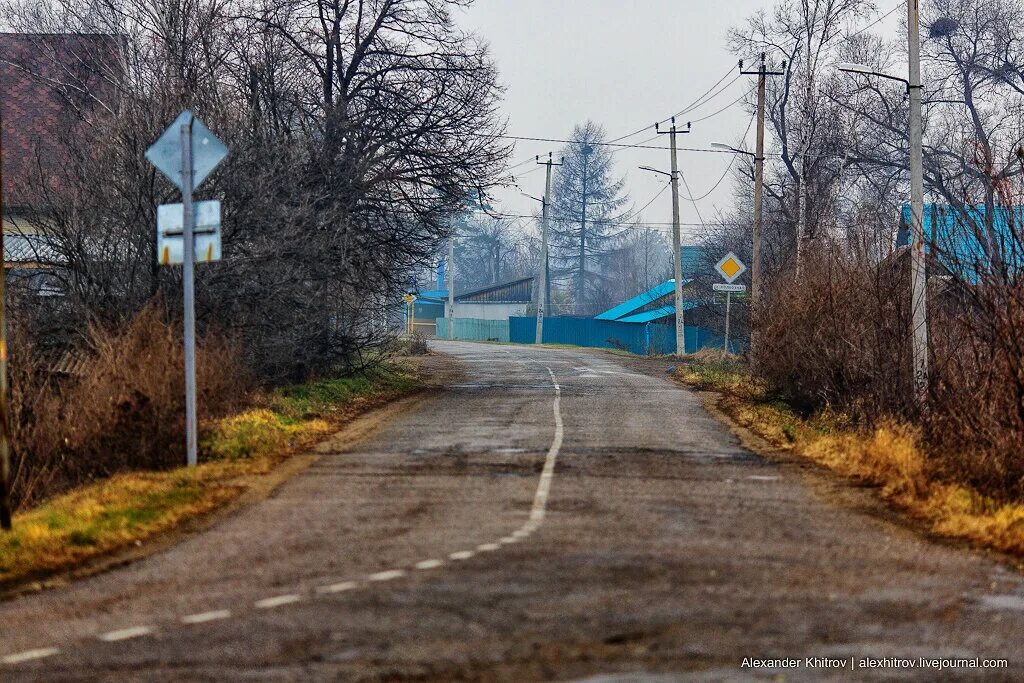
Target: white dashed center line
387,576
126,634
462,555
204,617
429,564
337,587
268,603
29,655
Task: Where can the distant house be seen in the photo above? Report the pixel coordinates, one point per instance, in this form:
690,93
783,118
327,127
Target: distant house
49,85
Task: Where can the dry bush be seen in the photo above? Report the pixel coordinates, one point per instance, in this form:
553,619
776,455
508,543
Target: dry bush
976,420
835,337
122,409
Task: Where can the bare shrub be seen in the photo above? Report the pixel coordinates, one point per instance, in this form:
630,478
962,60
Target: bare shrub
122,409
835,337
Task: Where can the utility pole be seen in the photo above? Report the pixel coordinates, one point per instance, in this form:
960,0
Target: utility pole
918,274
677,239
451,287
542,279
5,420
762,74
188,275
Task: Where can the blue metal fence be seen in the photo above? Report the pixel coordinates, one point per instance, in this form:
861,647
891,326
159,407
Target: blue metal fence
643,339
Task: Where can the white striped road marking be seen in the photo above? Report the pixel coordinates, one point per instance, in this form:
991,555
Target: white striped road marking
462,555
29,655
429,564
387,576
487,547
509,539
761,477
204,617
269,603
126,633
337,587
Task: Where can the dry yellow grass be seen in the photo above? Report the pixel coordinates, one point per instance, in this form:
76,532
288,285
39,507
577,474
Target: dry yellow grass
111,514
890,456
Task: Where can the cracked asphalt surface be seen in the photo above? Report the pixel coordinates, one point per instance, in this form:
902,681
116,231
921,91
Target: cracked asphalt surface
667,552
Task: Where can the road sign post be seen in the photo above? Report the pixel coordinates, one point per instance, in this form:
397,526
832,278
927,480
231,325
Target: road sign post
730,268
187,152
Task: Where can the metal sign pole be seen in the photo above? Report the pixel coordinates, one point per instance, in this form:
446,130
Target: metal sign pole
188,277
728,306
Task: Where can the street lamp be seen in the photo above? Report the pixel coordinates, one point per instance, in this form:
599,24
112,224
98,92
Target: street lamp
721,146
851,68
918,273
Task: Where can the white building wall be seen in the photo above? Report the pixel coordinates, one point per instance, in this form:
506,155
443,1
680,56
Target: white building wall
489,311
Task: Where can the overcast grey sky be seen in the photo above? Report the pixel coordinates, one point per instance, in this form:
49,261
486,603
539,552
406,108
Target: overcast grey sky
623,64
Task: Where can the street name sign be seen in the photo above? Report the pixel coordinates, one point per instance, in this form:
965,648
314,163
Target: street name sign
732,289
170,233
730,268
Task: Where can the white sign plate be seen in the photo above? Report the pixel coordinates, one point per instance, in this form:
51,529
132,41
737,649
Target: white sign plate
732,289
207,151
730,268
170,240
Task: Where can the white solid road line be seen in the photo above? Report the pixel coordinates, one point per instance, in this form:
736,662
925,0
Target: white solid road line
29,655
540,501
126,634
268,603
204,617
387,576
428,564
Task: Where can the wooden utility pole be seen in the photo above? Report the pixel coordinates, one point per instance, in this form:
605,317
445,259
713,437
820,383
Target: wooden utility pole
677,247
542,278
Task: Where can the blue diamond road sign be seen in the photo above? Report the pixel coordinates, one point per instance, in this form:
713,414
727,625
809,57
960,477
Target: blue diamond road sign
207,151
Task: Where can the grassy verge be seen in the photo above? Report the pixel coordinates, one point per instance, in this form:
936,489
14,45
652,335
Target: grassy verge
890,456
128,508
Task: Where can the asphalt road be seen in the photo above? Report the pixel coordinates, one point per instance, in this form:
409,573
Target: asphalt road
550,515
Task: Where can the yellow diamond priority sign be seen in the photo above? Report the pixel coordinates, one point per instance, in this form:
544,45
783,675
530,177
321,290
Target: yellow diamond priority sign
730,268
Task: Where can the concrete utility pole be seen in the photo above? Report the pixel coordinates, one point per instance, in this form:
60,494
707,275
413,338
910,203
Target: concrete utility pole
5,420
677,240
451,287
542,278
918,274
762,74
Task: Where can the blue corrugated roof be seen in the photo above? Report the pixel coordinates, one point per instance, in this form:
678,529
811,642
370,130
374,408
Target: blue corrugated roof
637,302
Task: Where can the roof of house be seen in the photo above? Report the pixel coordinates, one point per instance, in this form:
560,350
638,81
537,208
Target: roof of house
30,249
49,84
